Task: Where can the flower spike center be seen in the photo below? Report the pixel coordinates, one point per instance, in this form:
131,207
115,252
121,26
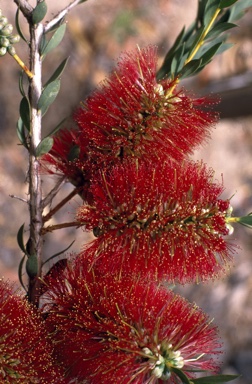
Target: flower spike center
165,359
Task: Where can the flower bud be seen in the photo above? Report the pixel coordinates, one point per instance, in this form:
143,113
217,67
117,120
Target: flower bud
7,30
3,51
11,50
3,21
14,39
4,42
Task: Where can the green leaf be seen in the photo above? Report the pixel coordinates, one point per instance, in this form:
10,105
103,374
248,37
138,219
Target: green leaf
177,60
218,29
226,3
211,8
21,133
73,153
209,54
190,68
245,220
48,96
39,12
24,110
20,273
21,86
181,375
214,379
19,28
58,71
55,40
58,253
32,266
44,146
20,238
166,66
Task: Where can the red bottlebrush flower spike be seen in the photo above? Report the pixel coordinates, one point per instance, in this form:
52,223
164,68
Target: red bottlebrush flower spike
133,115
161,221
110,331
25,350
130,115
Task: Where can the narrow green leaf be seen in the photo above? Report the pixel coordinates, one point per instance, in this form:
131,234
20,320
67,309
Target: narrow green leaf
21,86
237,11
19,28
57,73
24,111
181,375
209,54
55,39
20,238
39,12
193,41
21,133
32,266
177,60
215,379
227,3
58,253
218,29
48,96
20,272
190,68
211,8
44,146
166,66
73,153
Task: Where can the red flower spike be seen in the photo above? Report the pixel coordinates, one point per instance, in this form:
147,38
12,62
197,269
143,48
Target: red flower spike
25,350
160,221
110,331
130,115
133,115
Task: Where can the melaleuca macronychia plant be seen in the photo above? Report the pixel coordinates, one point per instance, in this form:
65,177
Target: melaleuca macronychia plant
110,331
132,115
159,221
25,349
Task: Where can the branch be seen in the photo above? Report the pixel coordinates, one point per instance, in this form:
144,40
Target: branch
49,198
61,204
25,7
60,15
51,228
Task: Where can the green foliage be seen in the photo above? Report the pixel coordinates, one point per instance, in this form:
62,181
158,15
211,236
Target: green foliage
48,96
25,112
55,40
18,27
32,266
195,47
214,379
58,72
39,12
44,146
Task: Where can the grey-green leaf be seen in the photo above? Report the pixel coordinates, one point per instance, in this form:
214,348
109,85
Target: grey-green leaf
39,12
32,266
20,272
48,96
57,73
214,379
20,238
55,40
218,29
24,110
226,3
18,27
190,68
21,132
44,146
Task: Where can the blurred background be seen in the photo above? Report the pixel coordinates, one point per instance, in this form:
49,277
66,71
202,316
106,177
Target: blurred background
97,33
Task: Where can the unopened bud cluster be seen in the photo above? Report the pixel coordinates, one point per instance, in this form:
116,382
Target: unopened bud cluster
7,39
